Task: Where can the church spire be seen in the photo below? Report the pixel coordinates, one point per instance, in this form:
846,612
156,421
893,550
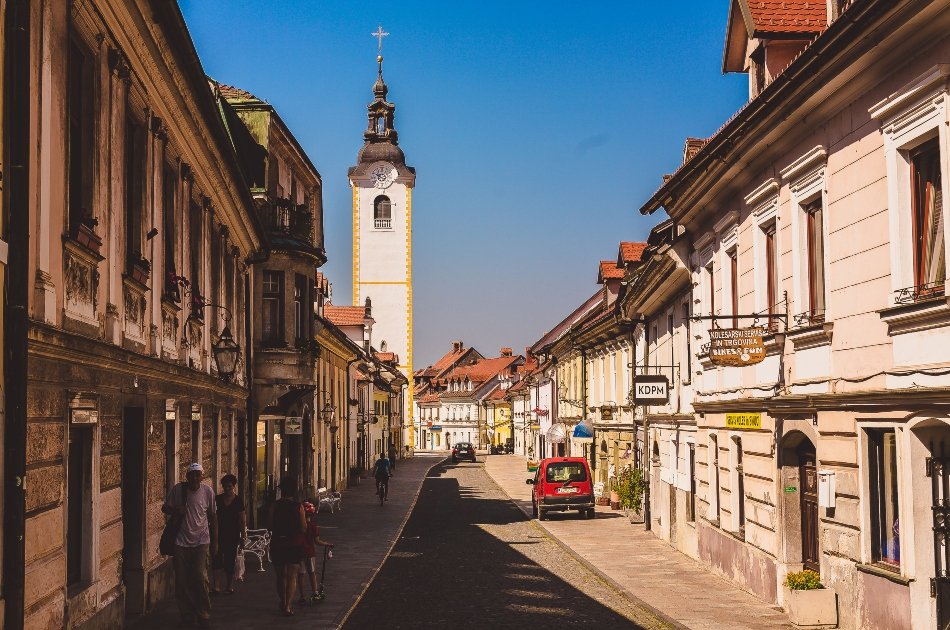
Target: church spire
380,140
379,89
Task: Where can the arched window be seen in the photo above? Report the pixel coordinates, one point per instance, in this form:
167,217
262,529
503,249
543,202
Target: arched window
382,213
381,125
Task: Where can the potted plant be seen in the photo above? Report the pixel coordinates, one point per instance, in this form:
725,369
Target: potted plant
630,490
808,602
614,495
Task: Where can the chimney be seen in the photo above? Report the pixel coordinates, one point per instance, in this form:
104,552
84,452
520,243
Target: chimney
506,352
457,346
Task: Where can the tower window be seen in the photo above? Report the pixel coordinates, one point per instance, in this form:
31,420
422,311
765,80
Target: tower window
382,213
381,125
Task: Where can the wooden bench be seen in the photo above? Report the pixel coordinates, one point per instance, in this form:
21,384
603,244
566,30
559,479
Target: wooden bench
257,543
328,499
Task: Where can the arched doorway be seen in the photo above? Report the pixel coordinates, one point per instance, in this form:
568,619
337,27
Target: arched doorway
800,500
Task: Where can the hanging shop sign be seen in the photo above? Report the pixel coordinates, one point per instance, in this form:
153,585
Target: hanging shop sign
651,389
293,425
736,347
744,420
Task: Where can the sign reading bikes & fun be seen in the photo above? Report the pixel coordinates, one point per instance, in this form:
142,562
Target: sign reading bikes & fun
736,347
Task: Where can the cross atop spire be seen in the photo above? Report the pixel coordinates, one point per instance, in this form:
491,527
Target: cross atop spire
379,34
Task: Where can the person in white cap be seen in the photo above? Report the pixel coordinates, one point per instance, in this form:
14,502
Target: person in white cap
194,503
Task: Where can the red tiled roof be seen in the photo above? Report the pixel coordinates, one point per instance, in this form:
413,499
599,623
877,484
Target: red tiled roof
386,356
609,271
428,398
631,252
693,145
789,16
231,93
345,315
497,394
483,369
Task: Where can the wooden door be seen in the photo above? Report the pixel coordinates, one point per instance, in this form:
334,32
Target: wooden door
809,505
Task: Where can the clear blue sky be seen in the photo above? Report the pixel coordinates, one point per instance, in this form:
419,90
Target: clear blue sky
537,131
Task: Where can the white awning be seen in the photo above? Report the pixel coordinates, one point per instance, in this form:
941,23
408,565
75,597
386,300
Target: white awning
557,433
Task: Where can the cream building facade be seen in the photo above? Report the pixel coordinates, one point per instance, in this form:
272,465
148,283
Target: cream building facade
830,234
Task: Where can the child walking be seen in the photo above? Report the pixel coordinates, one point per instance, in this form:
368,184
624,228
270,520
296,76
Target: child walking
309,563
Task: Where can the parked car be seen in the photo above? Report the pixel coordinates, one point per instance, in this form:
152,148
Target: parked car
560,484
463,450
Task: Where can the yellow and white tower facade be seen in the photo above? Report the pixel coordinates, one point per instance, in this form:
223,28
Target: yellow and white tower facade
382,186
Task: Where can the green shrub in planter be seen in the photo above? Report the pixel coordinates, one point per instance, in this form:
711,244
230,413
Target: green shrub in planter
806,580
630,486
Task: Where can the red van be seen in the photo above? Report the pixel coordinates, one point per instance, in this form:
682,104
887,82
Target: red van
562,483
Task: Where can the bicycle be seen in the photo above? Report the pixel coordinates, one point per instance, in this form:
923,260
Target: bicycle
382,490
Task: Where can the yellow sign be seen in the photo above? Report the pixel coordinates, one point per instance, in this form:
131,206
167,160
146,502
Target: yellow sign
744,420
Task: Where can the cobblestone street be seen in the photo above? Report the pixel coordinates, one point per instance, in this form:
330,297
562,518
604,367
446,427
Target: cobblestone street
470,558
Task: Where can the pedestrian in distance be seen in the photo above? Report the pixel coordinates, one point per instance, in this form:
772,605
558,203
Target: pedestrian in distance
232,527
309,564
193,502
382,473
392,461
288,528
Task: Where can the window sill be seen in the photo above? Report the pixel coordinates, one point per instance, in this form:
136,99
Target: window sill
887,574
811,336
923,315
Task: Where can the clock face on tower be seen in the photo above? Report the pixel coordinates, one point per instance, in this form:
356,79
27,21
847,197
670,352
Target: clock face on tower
382,175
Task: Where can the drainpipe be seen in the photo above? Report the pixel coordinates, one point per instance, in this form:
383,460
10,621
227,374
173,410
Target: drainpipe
16,175
593,431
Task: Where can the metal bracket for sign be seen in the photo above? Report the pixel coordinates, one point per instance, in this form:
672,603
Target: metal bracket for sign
754,316
782,316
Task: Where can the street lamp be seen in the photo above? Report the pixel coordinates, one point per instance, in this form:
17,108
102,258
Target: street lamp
327,415
226,353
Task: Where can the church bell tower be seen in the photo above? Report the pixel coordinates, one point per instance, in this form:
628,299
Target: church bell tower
382,186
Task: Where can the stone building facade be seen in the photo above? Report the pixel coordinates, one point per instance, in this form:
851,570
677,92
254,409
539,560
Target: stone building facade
141,221
288,197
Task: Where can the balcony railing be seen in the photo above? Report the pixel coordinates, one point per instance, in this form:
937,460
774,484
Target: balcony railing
911,295
282,217
383,224
810,318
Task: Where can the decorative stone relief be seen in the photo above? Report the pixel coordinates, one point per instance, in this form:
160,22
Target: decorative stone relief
81,283
133,297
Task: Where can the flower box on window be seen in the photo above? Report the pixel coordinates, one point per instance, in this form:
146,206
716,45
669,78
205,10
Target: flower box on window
140,270
85,234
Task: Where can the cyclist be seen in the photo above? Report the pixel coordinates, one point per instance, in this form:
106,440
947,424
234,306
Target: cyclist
382,474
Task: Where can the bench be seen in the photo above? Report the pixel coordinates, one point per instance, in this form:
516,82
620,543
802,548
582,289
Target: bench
328,499
257,543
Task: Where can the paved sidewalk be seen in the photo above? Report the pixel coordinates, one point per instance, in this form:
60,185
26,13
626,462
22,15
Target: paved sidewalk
646,567
363,532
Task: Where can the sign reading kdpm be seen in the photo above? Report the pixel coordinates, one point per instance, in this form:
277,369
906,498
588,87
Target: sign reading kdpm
744,420
651,389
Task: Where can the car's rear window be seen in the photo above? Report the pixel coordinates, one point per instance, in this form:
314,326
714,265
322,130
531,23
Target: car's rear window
463,445
559,472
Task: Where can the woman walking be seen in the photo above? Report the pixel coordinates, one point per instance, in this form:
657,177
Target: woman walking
232,527
288,524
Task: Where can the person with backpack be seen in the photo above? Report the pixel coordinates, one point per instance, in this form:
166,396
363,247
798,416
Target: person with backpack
192,504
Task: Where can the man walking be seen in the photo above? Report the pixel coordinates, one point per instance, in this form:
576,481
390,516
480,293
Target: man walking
194,503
